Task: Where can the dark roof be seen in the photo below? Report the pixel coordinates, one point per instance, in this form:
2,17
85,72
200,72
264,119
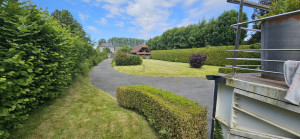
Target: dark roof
107,45
136,50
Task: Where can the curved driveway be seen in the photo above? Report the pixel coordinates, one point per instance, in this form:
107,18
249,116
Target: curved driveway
104,77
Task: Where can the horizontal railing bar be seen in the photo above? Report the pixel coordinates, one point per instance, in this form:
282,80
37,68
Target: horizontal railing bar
257,30
259,70
251,4
244,65
267,18
248,50
245,51
255,59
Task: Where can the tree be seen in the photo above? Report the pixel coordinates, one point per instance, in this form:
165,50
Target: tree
256,37
215,32
106,50
125,49
223,34
67,20
100,42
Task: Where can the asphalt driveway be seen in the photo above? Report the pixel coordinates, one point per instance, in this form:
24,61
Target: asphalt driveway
104,77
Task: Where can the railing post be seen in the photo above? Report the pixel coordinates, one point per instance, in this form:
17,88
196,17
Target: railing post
238,36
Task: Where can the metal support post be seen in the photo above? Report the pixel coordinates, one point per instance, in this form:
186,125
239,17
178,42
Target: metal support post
238,36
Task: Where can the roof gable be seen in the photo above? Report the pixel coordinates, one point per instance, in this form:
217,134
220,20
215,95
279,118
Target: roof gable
140,49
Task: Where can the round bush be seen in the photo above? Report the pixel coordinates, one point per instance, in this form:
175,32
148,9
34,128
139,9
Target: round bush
197,60
124,59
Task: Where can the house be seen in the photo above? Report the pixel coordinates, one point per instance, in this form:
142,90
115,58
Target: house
141,50
111,47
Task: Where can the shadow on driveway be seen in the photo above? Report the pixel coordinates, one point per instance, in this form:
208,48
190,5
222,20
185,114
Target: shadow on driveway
104,77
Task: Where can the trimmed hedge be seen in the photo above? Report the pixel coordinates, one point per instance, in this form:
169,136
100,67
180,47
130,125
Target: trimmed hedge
172,115
227,70
216,55
124,59
39,58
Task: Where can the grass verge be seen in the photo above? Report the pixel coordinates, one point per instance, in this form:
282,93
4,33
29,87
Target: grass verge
84,112
168,69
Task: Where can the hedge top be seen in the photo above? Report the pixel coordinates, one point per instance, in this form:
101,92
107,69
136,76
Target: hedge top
172,99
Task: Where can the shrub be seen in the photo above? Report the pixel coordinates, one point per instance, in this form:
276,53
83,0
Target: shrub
124,59
218,134
197,60
172,115
216,55
283,6
125,49
106,50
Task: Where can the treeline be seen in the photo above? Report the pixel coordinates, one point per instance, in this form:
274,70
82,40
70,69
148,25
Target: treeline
40,55
121,41
215,32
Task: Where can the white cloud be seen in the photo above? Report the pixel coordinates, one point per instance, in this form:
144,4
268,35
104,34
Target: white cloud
120,24
83,17
208,9
114,10
189,2
151,16
93,29
102,21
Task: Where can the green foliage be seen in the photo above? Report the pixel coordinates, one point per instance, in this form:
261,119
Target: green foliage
228,70
106,50
292,5
66,19
121,41
216,56
124,59
222,33
39,59
218,134
172,115
125,49
281,6
215,32
100,42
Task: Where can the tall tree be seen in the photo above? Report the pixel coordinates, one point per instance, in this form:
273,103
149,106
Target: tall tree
256,37
66,19
100,42
215,32
223,34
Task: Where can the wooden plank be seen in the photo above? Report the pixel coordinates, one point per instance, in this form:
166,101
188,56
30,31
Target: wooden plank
251,4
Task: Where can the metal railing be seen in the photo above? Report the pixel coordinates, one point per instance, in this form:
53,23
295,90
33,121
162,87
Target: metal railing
238,25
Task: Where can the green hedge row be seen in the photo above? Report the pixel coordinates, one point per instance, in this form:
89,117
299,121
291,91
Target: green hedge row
38,60
172,115
216,55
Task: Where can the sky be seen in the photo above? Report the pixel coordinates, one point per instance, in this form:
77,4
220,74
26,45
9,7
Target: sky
142,19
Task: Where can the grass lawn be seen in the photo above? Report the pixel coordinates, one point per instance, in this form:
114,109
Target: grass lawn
168,69
84,112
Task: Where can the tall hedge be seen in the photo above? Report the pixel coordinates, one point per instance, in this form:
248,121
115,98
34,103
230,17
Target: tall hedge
216,55
38,60
172,115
